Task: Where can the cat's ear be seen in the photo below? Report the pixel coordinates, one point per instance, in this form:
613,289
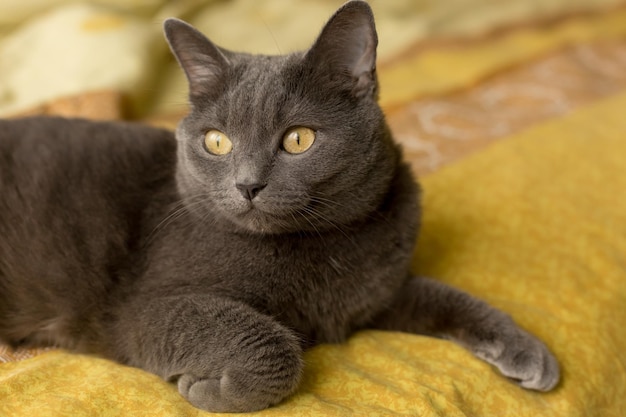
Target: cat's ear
203,62
346,48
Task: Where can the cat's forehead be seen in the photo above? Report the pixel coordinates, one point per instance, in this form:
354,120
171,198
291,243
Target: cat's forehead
258,72
261,92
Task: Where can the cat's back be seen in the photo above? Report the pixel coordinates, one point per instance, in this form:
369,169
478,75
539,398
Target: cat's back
55,164
44,143
74,195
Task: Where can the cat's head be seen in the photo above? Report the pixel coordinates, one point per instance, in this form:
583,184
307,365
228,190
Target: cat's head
285,143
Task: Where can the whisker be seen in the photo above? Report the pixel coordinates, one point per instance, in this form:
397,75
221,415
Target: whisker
332,204
322,217
308,221
177,212
179,209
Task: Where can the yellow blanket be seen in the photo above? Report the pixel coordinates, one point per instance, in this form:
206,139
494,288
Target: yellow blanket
536,225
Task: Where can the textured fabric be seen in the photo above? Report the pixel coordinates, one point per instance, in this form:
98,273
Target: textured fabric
536,225
443,70
54,48
441,129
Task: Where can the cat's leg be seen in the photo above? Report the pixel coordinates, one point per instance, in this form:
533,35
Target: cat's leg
224,355
429,307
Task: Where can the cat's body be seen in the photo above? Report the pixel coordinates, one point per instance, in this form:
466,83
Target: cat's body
281,216
117,223
78,197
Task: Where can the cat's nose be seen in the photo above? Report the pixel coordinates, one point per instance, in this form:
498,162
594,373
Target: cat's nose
250,191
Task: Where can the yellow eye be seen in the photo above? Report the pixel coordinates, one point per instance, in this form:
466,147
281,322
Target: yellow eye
298,140
217,143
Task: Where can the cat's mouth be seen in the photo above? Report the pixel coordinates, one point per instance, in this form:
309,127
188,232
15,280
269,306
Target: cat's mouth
259,217
257,220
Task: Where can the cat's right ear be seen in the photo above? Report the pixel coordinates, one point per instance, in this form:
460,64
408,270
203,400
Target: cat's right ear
345,51
203,62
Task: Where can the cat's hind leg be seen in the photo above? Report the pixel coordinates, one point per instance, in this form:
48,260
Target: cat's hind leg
425,306
224,355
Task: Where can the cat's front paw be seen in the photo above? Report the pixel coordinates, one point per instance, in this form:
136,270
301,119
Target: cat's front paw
522,358
233,392
249,382
236,391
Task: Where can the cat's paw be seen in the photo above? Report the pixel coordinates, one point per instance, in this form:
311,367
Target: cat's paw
227,394
248,383
522,358
236,391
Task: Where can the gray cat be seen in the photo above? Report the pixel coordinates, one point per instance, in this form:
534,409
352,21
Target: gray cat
279,216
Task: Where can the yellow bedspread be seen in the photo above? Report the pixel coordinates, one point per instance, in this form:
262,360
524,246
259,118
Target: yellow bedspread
533,220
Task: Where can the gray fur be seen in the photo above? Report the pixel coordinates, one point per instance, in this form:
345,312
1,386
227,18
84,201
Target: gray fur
127,241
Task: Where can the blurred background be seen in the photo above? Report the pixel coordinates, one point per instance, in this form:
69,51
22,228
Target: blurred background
455,74
444,65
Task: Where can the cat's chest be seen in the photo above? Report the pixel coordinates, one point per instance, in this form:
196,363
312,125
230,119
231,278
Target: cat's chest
290,268
323,287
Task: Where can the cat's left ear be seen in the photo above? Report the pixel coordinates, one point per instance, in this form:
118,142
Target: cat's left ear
203,62
346,48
